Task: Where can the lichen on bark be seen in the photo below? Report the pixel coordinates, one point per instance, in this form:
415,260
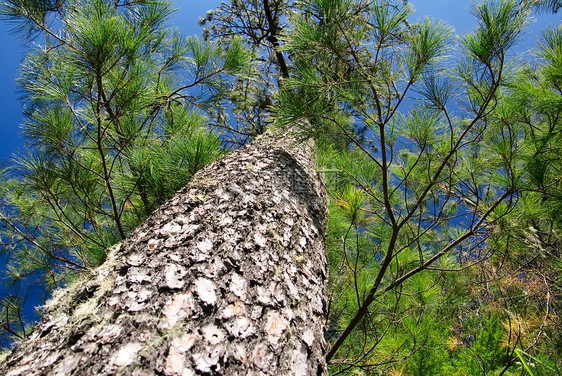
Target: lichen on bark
227,277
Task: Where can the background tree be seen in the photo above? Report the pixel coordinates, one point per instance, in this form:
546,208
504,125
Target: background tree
428,177
527,267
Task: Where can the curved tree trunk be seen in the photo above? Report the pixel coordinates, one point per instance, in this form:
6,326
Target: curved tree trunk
228,277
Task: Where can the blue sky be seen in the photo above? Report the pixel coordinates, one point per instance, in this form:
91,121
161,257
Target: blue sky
454,12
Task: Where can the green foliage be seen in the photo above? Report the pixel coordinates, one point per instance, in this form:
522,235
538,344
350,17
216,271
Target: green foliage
257,26
441,156
530,236
430,164
545,6
115,108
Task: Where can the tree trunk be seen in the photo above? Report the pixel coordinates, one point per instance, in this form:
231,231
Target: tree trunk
228,277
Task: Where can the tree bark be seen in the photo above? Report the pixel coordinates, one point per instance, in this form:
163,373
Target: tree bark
228,277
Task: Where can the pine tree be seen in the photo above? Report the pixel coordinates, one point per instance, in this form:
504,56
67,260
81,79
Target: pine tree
422,172
529,238
228,258
261,24
426,182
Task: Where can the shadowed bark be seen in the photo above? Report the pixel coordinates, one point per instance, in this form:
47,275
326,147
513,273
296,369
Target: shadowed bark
228,277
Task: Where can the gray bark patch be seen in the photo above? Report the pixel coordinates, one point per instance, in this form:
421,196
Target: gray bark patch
228,277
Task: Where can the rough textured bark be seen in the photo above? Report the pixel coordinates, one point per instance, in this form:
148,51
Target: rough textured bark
228,277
